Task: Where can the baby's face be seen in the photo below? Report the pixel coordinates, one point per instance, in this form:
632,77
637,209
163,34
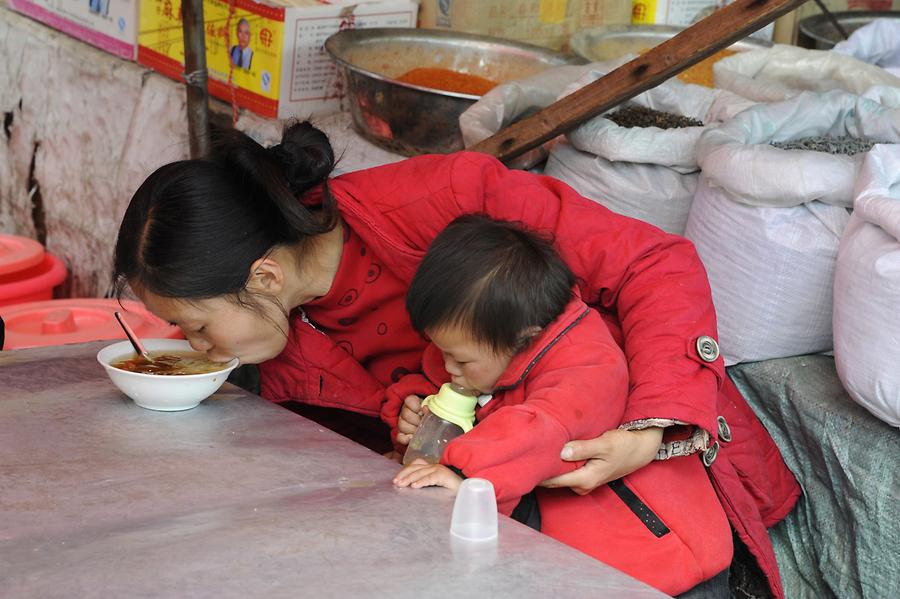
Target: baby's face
469,363
223,329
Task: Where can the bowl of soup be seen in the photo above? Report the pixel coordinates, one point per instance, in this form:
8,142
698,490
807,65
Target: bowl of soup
177,378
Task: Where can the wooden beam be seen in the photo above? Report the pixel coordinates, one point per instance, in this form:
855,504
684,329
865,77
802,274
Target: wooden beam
195,75
719,30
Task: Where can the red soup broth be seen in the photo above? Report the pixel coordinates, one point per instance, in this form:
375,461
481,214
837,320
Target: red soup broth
168,363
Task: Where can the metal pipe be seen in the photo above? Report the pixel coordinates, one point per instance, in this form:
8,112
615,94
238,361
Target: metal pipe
195,76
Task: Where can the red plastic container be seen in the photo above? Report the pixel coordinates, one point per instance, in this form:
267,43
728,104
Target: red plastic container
27,272
32,284
58,322
18,253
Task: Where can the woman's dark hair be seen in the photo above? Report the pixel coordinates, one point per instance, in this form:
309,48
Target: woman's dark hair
194,228
492,279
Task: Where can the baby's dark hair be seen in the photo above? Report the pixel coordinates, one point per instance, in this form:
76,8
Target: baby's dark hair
194,228
492,279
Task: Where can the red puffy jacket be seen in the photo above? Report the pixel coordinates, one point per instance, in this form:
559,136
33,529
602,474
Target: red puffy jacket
662,524
649,286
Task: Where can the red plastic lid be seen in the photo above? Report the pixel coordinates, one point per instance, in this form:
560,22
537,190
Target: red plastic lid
58,322
18,253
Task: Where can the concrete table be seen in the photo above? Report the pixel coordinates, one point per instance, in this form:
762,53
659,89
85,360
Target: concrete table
235,498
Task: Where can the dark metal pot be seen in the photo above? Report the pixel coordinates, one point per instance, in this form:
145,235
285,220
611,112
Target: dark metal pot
819,33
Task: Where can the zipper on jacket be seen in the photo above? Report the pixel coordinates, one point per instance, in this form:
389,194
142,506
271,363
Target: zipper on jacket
546,348
639,508
305,319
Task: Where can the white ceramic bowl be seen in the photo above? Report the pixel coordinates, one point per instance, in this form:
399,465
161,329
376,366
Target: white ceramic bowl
159,392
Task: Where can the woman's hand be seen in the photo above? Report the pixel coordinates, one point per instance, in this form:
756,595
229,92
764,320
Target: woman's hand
420,474
410,417
612,455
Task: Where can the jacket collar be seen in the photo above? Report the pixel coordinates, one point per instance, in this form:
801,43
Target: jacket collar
524,361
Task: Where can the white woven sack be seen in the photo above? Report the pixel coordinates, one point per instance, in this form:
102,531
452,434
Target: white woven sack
771,272
867,289
767,222
643,172
782,72
658,195
876,43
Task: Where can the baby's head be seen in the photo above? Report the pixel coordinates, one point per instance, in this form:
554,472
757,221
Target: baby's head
484,289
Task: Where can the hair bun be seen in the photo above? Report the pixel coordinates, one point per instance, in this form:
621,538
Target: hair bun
305,155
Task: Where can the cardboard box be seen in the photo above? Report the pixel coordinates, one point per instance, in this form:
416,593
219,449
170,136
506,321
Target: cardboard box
282,70
683,13
111,25
548,23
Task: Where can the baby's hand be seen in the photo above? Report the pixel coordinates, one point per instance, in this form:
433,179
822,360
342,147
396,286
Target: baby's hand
410,417
420,474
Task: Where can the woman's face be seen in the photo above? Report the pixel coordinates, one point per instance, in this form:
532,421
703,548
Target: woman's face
224,329
470,364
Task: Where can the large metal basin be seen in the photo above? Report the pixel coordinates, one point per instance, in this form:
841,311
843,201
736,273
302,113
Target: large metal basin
818,31
409,119
614,41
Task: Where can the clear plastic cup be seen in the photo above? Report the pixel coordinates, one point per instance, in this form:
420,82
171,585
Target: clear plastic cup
475,511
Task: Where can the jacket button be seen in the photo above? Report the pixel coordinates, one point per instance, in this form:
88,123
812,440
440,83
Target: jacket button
709,456
724,429
707,348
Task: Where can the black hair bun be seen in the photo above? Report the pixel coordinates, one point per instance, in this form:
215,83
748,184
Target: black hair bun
305,155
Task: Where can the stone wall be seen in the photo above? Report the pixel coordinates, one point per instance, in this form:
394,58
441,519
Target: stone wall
81,131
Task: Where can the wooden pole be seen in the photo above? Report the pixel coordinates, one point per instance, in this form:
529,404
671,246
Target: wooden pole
719,30
195,76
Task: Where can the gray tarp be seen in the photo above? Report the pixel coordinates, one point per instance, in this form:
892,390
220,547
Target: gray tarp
843,538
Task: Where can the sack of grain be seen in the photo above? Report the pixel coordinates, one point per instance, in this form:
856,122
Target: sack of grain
767,220
782,72
640,159
867,289
512,101
876,43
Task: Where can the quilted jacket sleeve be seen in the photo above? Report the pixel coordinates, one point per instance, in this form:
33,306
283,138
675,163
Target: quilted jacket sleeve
517,446
652,281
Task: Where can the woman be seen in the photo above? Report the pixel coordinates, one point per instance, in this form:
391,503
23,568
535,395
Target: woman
256,254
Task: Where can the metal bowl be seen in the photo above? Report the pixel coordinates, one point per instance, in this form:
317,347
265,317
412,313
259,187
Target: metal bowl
819,33
410,119
614,41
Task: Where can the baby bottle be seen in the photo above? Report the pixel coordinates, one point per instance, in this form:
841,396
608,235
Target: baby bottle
451,413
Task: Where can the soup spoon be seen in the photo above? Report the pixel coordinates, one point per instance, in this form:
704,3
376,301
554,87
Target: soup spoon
135,342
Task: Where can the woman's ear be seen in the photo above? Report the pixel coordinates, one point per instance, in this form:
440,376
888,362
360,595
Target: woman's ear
266,276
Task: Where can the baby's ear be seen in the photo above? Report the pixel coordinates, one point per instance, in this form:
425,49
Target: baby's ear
527,335
266,276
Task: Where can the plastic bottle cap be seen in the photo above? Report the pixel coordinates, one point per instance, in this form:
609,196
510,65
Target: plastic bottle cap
475,511
454,406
